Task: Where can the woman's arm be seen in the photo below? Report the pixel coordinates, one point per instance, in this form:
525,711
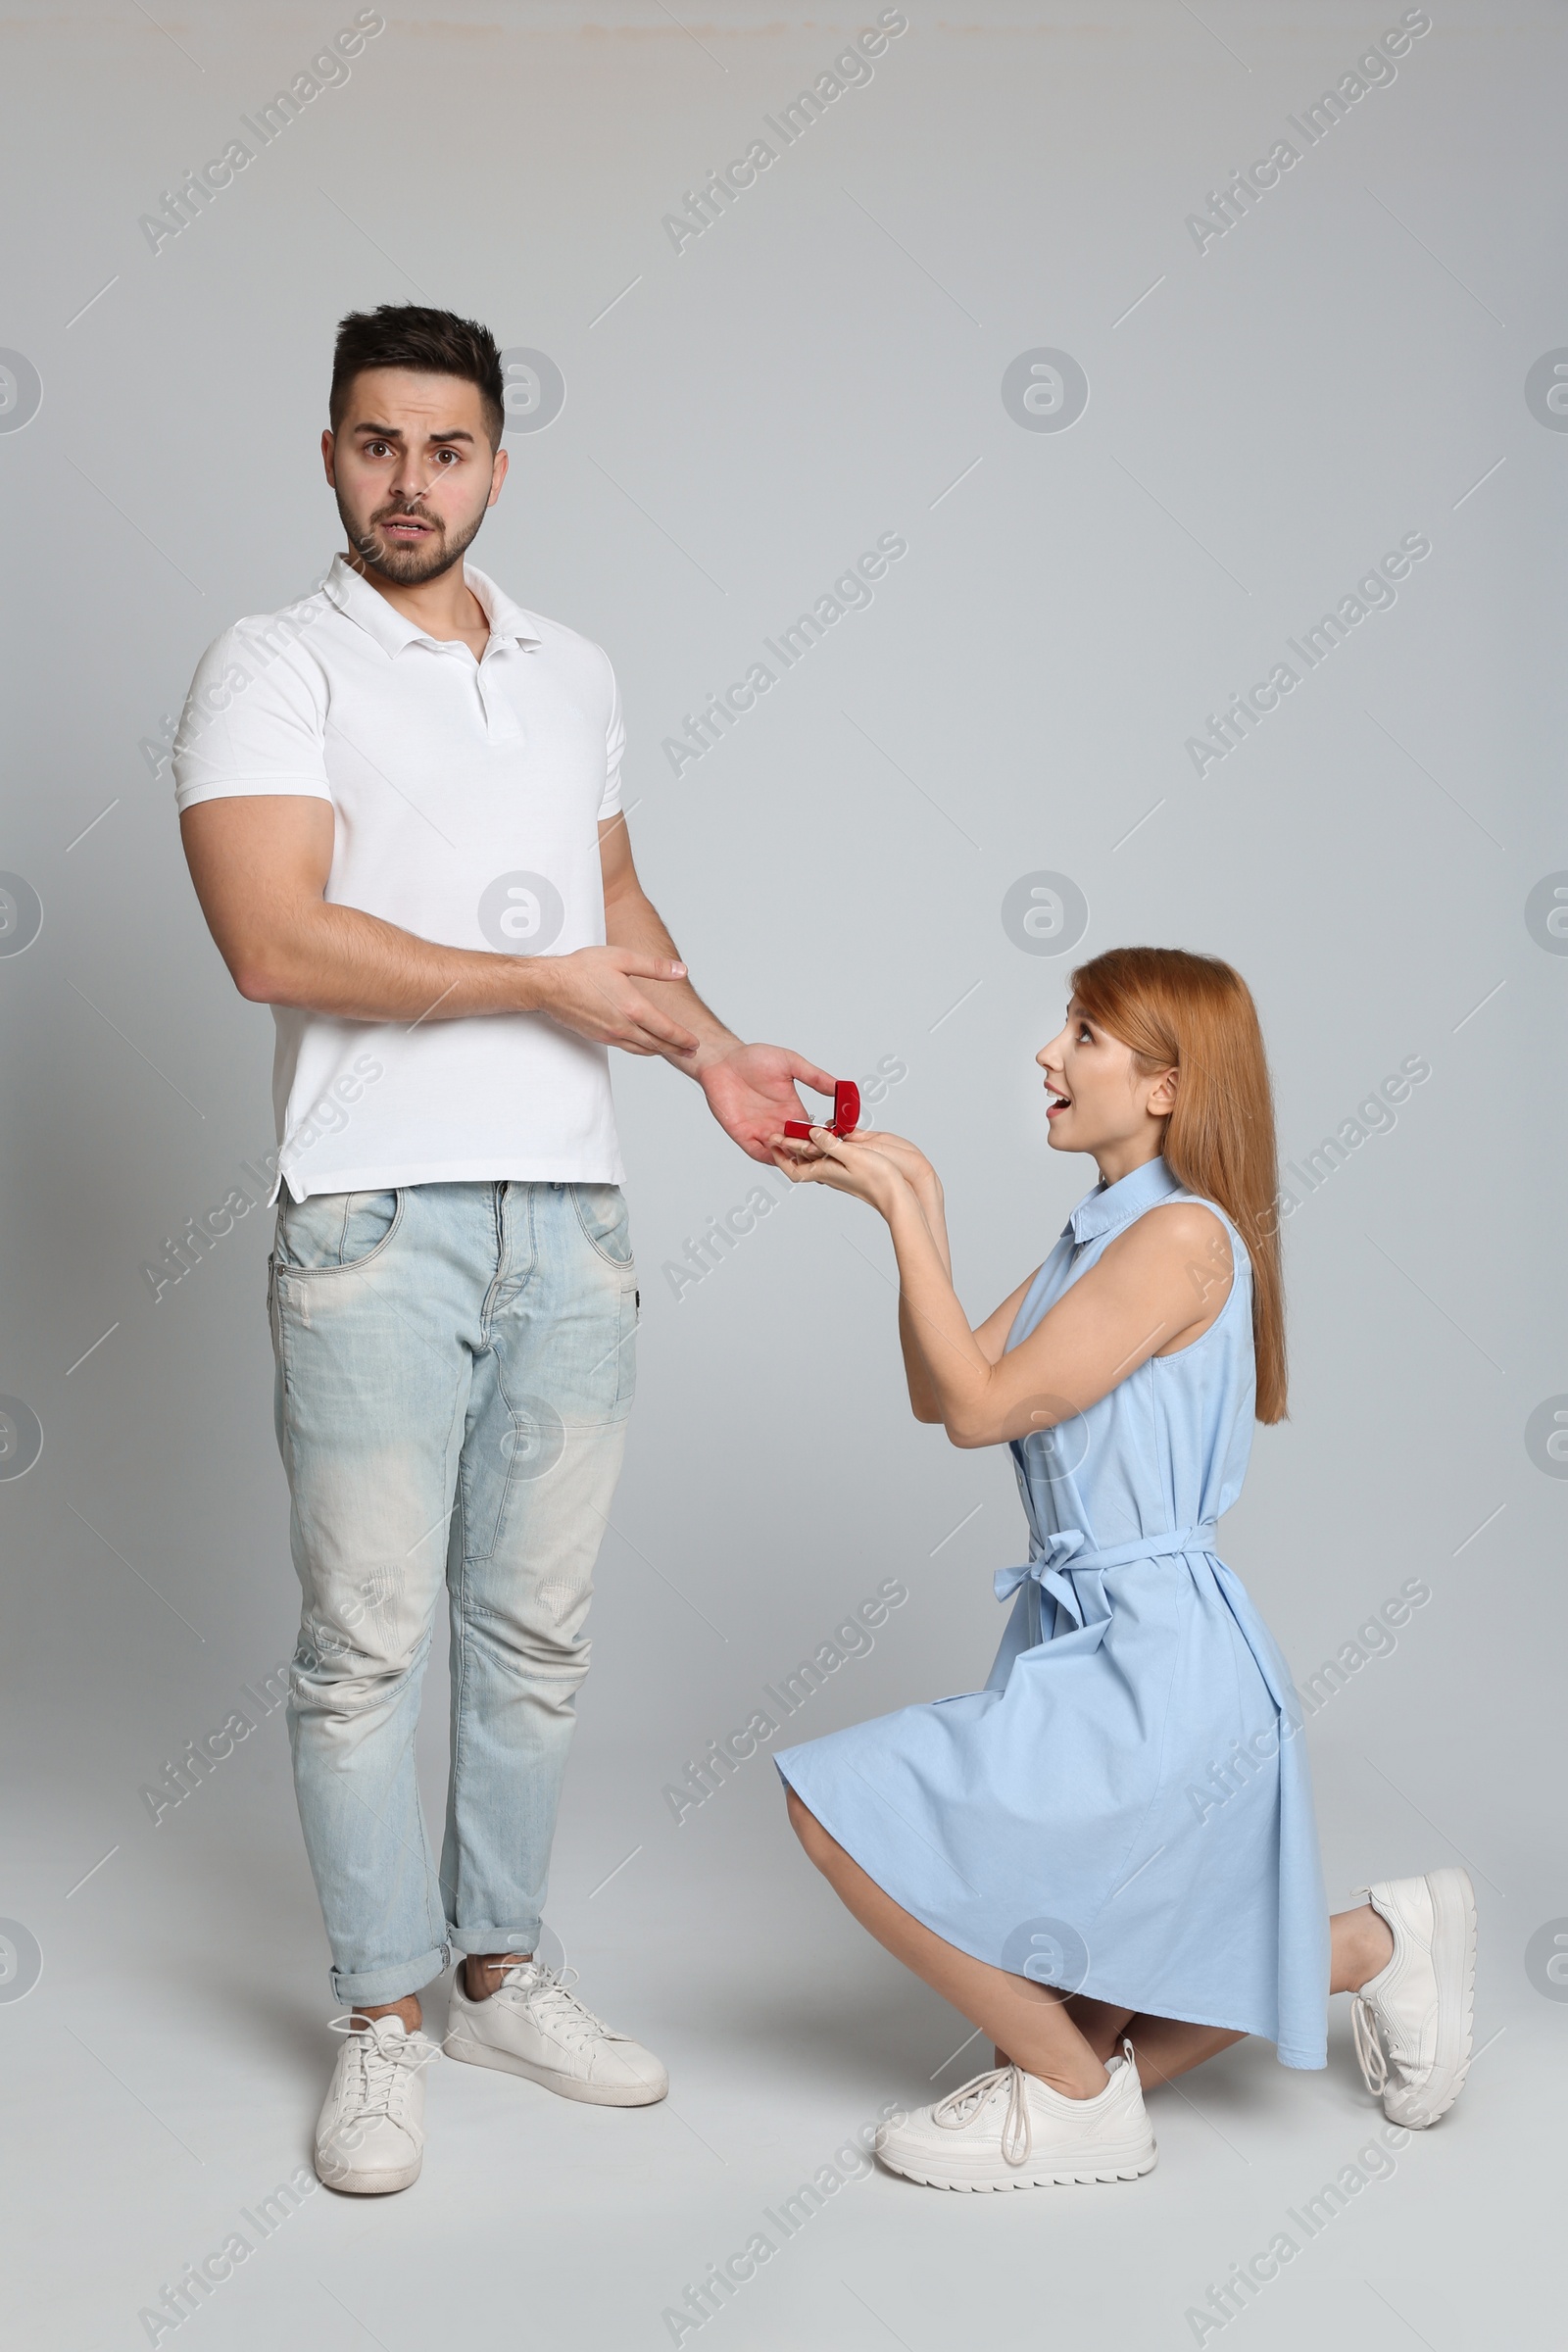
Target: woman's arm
1160,1286
1157,1287
926,1186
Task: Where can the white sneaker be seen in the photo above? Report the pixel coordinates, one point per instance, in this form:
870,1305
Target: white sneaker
370,2136
1412,2019
1009,2130
533,2024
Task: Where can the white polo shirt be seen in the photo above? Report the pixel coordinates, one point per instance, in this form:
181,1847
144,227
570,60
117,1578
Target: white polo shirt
468,797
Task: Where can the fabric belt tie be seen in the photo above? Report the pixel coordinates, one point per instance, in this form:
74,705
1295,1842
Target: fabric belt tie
1061,1560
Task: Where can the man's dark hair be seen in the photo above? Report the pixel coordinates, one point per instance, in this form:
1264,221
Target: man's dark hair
406,335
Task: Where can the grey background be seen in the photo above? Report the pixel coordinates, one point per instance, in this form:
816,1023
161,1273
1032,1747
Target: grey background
824,364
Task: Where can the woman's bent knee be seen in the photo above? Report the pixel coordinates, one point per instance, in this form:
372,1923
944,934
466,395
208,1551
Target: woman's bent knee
803,1822
821,1848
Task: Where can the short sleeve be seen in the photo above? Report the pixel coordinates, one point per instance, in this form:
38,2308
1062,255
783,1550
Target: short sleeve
615,747
254,719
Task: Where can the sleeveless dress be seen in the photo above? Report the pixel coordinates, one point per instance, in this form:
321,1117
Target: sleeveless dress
1125,1809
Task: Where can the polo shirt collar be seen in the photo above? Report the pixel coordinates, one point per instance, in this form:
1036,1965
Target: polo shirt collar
508,623
358,601
1111,1204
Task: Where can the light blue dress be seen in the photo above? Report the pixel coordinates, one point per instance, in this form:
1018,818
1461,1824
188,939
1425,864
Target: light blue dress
1124,1810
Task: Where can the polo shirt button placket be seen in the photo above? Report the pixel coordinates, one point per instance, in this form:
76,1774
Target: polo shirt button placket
499,720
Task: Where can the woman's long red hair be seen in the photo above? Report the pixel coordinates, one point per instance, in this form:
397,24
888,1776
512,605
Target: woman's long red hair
1196,1015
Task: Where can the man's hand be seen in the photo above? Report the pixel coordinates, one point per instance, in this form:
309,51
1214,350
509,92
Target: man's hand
750,1093
749,1089
594,991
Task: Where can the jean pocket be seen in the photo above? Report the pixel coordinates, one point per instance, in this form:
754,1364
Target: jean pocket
601,1214
333,1232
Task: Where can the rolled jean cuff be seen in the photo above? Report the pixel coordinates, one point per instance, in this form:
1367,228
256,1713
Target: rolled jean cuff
393,1983
486,1938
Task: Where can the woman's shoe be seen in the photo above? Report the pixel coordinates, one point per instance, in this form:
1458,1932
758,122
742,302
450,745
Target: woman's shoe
1412,2019
1009,2130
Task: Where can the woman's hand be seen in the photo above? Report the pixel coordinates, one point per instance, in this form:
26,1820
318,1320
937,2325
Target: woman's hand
847,1163
910,1160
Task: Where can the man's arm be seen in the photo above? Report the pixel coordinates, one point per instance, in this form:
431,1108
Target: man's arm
261,862
632,920
749,1089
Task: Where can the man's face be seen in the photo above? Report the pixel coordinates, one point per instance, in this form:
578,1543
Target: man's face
413,471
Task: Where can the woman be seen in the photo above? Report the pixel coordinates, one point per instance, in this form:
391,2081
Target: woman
1107,1858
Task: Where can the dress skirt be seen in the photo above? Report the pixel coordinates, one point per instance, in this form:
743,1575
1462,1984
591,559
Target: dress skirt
1123,1811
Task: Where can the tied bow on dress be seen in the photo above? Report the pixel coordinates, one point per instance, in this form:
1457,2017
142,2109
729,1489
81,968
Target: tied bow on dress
1067,1566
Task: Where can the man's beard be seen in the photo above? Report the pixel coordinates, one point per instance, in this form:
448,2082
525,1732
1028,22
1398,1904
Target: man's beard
411,564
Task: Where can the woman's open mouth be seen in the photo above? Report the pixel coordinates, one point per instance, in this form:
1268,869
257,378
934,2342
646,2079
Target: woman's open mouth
1057,1103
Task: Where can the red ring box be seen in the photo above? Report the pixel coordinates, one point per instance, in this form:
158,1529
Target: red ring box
846,1113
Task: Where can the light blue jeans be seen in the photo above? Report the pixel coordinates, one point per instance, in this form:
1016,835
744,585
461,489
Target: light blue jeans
454,1367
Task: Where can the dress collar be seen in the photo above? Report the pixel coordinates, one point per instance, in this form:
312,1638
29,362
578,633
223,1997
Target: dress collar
1111,1204
358,601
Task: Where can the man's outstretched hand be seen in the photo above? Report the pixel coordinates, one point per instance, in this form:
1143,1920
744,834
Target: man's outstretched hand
750,1093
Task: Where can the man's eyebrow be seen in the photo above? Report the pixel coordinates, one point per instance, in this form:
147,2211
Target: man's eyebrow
394,432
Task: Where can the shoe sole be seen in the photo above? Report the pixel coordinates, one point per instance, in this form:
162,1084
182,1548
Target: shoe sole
1133,2168
1454,1960
566,2086
372,2184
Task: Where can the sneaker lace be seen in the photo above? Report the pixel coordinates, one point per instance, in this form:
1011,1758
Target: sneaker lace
1369,2051
548,1993
382,2068
964,2106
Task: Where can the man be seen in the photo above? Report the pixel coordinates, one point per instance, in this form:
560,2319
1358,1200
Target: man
400,805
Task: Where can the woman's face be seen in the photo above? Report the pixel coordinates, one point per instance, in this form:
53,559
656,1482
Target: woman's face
1099,1100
